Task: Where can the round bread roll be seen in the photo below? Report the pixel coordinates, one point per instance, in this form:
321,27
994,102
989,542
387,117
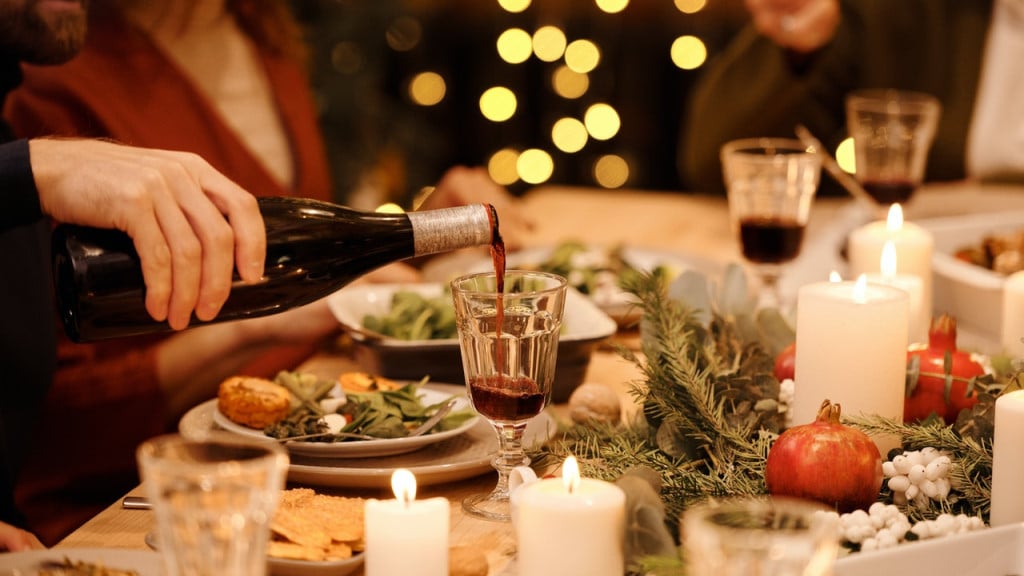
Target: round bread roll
253,402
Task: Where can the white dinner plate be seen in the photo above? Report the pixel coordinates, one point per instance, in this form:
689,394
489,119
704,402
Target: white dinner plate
144,562
287,567
369,448
458,458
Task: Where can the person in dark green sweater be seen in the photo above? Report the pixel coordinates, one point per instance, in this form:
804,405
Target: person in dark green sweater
797,60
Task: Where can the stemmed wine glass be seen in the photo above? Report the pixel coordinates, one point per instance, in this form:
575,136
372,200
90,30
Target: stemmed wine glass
892,131
771,183
509,344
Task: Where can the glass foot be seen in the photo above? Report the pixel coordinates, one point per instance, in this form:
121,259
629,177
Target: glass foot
490,506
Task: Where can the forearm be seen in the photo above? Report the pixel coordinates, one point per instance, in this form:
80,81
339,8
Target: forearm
191,364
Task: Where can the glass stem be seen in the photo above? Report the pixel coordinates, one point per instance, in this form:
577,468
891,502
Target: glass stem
770,295
510,454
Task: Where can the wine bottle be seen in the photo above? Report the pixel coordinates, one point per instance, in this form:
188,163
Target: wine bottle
313,249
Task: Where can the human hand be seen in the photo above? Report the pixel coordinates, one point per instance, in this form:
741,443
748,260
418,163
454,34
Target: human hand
190,224
461,185
799,25
14,539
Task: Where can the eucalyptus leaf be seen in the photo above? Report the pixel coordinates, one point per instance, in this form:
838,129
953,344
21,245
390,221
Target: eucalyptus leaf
734,297
692,290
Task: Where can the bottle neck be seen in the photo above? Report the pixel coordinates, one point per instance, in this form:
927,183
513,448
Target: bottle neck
447,229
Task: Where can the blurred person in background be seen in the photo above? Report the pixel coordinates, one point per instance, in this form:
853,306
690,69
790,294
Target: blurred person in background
797,60
224,79
189,223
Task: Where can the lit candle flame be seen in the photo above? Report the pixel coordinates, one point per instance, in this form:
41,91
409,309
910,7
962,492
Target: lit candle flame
894,223
834,277
860,289
403,484
888,261
571,474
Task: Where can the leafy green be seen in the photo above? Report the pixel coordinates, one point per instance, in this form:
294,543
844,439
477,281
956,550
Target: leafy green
414,316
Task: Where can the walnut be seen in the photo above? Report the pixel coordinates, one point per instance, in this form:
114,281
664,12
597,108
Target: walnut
592,402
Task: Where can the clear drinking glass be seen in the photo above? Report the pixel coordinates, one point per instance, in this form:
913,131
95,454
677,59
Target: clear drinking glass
213,496
509,344
767,536
892,131
771,184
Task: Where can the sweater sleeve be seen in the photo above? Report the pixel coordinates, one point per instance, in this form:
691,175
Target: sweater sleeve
20,201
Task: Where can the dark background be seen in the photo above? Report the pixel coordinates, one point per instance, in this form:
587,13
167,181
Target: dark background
384,147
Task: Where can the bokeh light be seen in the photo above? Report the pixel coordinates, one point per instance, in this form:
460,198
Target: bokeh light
515,45
569,84
347,57
690,6
611,171
569,135
582,56
427,88
845,156
535,166
602,121
612,6
689,52
498,104
404,34
502,166
389,208
514,6
549,43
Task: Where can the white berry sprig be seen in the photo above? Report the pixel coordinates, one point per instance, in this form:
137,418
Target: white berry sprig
919,477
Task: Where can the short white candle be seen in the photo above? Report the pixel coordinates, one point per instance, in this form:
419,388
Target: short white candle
914,248
1007,497
1013,315
851,348
405,535
919,319
571,526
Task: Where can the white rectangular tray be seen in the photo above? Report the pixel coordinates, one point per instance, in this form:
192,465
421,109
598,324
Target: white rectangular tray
988,552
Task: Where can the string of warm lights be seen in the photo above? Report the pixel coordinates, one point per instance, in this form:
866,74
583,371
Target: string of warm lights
571,63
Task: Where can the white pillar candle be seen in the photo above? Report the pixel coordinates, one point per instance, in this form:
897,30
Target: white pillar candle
851,348
405,535
1007,497
571,526
914,248
1013,315
919,319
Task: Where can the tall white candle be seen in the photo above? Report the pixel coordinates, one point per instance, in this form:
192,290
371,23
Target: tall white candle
1007,497
919,319
851,348
914,248
405,535
1013,315
571,526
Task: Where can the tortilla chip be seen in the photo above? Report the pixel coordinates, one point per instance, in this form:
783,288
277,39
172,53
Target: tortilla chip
316,527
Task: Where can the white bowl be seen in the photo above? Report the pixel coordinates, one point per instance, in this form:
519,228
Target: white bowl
584,327
971,293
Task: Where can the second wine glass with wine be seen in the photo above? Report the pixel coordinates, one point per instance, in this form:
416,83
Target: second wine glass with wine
509,343
771,184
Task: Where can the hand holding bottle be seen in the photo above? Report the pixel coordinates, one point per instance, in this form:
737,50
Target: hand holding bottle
189,223
802,26
462,185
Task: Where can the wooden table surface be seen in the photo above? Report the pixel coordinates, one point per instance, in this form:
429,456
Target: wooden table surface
682,223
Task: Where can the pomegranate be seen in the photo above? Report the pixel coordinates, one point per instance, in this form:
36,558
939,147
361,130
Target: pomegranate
785,363
825,461
932,391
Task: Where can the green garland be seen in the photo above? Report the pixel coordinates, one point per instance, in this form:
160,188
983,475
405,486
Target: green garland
711,412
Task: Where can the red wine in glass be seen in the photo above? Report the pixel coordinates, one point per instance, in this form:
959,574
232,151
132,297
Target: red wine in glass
770,239
502,398
888,192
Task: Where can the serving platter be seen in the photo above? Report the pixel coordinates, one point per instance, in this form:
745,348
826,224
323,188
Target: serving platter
368,448
617,304
29,563
464,456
